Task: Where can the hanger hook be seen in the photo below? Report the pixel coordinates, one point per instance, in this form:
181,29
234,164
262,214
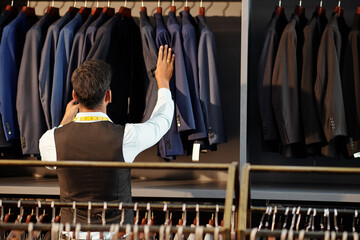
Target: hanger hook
172,2
321,3
186,3
108,3
279,3
159,4
300,3
142,3
125,3
74,4
85,4
339,3
74,208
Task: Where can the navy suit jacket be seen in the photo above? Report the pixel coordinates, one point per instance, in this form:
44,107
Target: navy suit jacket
185,115
62,58
209,84
30,114
118,42
191,66
91,33
150,51
47,64
170,144
75,59
11,48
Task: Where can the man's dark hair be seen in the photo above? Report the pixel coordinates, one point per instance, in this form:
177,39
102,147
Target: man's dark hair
91,81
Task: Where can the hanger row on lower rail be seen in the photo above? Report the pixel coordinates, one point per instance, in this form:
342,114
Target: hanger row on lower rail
118,205
300,209
109,227
300,235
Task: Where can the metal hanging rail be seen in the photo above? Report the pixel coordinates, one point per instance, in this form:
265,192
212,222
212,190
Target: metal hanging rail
244,210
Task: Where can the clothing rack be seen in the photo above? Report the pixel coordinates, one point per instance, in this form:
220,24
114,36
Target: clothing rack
232,191
245,209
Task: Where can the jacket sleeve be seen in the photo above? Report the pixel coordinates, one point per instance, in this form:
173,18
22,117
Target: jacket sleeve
285,90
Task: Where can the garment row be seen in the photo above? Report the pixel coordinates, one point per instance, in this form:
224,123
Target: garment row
308,84
38,56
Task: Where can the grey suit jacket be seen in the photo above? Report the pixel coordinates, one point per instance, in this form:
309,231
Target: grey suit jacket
30,114
209,84
150,57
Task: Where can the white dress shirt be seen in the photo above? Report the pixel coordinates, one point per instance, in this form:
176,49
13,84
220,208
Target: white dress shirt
137,137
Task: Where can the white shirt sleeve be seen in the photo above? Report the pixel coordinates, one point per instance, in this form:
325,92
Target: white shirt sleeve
47,147
138,137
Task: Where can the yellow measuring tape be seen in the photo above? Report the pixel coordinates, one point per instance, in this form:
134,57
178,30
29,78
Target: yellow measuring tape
91,118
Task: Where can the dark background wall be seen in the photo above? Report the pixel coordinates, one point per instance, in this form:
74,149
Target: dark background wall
260,14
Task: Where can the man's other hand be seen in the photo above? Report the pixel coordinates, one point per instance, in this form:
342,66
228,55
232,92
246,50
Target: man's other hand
72,108
164,67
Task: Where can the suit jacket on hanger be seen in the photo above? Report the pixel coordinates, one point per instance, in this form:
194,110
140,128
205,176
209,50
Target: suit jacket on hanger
185,115
170,144
118,42
328,89
62,58
150,52
191,66
312,127
46,71
265,69
91,33
75,59
11,48
285,85
209,84
30,114
351,87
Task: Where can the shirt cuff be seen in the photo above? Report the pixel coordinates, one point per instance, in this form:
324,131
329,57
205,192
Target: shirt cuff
164,92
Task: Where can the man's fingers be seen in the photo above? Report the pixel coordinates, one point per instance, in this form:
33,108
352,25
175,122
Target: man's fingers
160,53
168,59
165,52
172,59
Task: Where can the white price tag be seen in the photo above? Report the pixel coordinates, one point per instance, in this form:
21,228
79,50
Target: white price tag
196,152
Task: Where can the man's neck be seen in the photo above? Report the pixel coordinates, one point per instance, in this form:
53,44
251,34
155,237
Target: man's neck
96,109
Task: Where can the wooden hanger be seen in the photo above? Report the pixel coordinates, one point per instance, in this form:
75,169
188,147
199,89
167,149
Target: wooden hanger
321,11
108,10
159,8
173,7
29,11
53,11
339,10
11,9
358,10
300,10
186,8
279,9
124,11
95,11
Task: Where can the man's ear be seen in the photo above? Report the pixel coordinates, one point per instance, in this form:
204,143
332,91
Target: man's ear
108,96
74,95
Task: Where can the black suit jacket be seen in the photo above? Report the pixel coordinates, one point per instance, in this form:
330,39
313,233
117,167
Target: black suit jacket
265,69
118,42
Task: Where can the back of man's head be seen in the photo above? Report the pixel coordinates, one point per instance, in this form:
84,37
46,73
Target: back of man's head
91,81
